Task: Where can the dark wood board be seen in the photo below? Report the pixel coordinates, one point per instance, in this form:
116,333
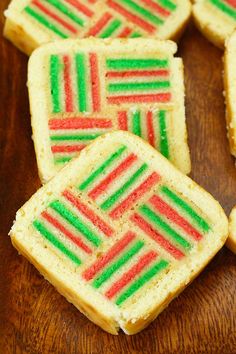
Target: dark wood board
34,318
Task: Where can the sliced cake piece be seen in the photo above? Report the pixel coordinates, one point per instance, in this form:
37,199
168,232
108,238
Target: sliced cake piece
80,89
216,19
30,23
231,241
230,91
120,232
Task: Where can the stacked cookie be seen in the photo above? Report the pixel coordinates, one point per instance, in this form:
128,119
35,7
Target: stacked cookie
117,228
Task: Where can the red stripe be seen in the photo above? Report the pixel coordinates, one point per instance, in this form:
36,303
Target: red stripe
67,148
135,195
150,128
118,247
95,87
147,228
75,239
92,1
68,83
79,123
99,25
123,120
81,7
125,33
161,97
130,16
174,216
89,214
104,184
130,274
231,3
54,16
136,73
156,8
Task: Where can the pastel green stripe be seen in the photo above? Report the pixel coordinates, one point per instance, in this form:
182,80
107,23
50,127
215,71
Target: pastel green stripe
125,64
135,35
73,137
64,159
55,68
81,81
164,146
115,196
195,217
138,86
75,221
137,123
118,264
110,29
146,277
43,20
39,226
102,168
157,220
224,7
142,11
168,4
66,11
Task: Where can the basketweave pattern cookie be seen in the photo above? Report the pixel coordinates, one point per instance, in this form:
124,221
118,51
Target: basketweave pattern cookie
80,90
216,19
120,232
31,23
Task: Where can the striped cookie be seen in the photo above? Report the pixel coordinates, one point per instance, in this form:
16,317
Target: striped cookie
216,19
120,232
31,23
80,89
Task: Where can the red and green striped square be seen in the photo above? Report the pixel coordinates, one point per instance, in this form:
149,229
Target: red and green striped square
228,7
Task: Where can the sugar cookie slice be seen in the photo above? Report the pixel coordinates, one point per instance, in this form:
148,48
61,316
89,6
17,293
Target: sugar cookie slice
120,232
216,19
231,241
80,89
30,23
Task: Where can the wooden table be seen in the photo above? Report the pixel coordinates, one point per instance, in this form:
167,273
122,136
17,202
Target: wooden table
34,318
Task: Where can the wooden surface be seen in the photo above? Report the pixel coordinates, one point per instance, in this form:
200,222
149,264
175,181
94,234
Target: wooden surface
34,318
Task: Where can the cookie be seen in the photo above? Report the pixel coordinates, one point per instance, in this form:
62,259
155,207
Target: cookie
80,89
216,19
231,241
120,232
30,23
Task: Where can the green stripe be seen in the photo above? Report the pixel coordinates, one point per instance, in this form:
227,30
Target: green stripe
137,86
135,35
118,264
225,8
168,4
145,210
55,68
43,20
102,168
142,281
110,29
74,137
53,239
143,12
164,146
75,221
81,81
197,219
66,11
137,123
115,196
62,159
125,64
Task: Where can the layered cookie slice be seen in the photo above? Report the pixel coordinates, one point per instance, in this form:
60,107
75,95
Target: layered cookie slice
120,232
30,23
216,19
231,241
80,89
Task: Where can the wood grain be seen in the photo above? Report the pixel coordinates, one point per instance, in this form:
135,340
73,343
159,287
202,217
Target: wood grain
34,318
